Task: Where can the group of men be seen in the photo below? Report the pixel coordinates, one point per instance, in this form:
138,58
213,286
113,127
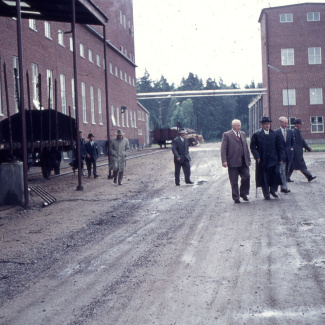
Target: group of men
277,153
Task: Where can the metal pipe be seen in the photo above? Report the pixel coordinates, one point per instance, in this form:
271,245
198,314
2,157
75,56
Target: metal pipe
56,115
50,112
8,110
30,112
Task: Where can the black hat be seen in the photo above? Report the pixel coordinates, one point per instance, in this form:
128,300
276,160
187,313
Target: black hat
297,121
265,119
90,135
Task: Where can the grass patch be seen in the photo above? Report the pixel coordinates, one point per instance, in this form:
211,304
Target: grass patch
318,147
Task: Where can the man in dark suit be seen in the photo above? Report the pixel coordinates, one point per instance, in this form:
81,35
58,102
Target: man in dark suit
298,162
268,151
91,150
235,156
288,141
182,157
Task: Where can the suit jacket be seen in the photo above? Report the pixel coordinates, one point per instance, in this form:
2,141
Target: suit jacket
288,144
181,149
233,149
92,150
298,158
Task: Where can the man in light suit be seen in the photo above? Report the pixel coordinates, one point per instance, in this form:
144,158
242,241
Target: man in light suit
288,141
91,150
235,156
182,157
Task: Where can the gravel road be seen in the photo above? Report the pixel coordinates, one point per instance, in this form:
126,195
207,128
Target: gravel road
148,252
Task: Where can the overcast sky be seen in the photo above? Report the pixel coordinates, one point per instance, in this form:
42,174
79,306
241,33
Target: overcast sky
211,38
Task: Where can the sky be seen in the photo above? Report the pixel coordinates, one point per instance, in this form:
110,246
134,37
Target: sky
210,38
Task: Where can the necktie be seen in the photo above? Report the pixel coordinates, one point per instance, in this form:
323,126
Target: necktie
285,135
238,137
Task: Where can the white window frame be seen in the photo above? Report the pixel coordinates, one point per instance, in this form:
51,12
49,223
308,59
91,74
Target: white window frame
133,82
92,105
316,96
130,82
98,60
124,21
287,56
123,118
315,125
100,113
63,94
135,119
125,77
112,116
73,98
32,24
35,80
84,102
49,82
127,119
121,17
47,29
60,37
90,56
71,44
313,16
292,97
118,116
140,132
121,74
16,66
82,50
116,72
111,68
286,18
131,120
314,55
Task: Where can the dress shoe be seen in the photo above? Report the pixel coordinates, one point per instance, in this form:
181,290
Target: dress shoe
284,190
237,201
244,197
189,182
290,180
267,197
95,176
274,194
311,178
177,184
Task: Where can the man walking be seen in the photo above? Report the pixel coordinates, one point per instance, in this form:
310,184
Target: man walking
298,162
117,150
288,142
268,151
180,148
235,156
91,150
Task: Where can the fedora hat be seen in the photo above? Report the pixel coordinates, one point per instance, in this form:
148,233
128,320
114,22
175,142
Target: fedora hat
182,131
90,135
119,132
265,119
297,121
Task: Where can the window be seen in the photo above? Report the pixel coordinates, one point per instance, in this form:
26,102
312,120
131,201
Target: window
32,24
16,81
317,124
49,77
291,124
139,131
73,99
111,68
121,74
35,81
98,60
121,17
125,77
71,44
63,95
316,96
289,94
47,28
287,57
133,82
100,114
124,21
90,55
130,80
118,116
92,105
135,120
314,55
286,18
127,119
131,120
82,50
84,106
60,37
122,48
112,116
116,72
313,16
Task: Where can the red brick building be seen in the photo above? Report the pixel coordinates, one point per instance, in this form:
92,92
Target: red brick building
48,50
293,62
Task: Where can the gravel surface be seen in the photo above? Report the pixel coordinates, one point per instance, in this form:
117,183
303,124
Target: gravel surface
148,252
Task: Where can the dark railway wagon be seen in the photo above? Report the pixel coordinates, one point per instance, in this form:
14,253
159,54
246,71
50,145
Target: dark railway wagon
48,134
163,136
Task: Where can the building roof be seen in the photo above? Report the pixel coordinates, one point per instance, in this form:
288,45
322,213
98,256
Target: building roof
143,108
294,5
55,10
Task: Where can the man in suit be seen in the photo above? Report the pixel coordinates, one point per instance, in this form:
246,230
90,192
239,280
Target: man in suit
91,150
268,151
235,156
182,157
288,141
298,162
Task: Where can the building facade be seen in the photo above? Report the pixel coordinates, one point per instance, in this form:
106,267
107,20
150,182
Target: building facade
48,50
293,65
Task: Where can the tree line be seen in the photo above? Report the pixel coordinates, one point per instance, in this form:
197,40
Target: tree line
209,116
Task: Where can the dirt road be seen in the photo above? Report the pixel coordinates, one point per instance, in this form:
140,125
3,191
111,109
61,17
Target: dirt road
148,252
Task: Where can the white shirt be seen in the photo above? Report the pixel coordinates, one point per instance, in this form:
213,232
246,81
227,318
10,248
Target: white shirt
237,134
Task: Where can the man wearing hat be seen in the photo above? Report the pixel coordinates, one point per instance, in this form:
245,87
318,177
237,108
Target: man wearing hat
182,157
268,152
298,162
118,148
91,150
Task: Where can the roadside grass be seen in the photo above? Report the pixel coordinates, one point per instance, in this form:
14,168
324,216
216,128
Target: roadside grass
318,147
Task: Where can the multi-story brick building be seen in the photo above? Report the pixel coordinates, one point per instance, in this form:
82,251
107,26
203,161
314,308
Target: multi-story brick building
293,47
48,50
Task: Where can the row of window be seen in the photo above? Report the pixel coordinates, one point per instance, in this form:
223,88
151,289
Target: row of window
123,23
123,76
316,124
315,96
314,56
121,117
288,18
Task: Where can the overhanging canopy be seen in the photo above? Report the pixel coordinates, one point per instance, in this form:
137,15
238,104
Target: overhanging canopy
55,10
